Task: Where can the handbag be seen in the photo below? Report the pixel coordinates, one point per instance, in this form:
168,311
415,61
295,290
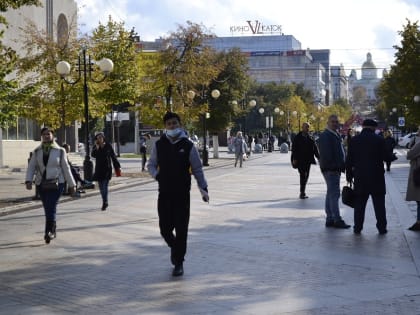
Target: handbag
347,195
49,184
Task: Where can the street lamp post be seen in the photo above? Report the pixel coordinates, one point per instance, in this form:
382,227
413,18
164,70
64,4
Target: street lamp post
215,95
85,67
269,121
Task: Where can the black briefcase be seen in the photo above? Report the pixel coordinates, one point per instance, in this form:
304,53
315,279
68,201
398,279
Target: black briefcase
347,195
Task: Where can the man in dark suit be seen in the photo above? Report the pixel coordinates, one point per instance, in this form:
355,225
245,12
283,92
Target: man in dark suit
304,152
365,164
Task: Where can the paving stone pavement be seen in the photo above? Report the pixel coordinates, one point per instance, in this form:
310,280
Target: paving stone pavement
254,249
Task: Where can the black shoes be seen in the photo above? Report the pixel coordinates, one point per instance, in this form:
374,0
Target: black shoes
303,196
382,232
178,270
340,225
329,223
357,231
104,206
415,227
50,231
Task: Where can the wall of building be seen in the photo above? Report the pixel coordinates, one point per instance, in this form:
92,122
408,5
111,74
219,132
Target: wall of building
16,152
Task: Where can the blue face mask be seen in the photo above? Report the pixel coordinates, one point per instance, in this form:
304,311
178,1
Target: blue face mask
174,132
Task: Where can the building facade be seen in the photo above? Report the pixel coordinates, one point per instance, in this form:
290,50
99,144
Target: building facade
55,18
363,90
339,84
280,58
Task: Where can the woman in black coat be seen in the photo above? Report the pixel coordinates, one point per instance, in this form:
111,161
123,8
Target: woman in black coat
105,159
304,151
390,145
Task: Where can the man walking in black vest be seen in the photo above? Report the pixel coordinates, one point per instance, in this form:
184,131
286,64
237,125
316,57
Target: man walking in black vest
172,161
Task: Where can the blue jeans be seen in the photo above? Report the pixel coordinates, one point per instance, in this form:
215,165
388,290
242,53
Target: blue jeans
103,188
50,200
332,197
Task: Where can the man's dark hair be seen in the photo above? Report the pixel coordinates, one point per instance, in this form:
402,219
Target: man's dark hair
170,115
47,129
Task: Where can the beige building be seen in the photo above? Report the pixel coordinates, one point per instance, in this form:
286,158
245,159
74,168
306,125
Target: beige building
55,18
368,83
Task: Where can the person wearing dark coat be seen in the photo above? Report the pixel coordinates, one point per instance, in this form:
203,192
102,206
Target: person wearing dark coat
364,165
332,164
105,159
304,152
390,144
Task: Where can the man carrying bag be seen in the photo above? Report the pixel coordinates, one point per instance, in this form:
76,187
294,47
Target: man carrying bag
365,164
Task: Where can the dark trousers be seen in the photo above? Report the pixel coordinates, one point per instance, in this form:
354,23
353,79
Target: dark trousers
103,188
174,214
360,207
50,200
143,158
388,165
304,175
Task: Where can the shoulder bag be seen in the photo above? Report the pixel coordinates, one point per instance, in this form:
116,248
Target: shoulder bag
347,195
50,184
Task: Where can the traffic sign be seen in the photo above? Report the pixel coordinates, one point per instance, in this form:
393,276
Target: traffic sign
401,121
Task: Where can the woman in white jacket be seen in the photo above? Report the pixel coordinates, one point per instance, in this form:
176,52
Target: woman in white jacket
51,170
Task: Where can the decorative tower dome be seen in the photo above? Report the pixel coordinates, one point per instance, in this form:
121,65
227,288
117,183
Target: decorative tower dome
369,70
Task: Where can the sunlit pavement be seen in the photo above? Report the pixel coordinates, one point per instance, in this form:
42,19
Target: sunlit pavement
254,249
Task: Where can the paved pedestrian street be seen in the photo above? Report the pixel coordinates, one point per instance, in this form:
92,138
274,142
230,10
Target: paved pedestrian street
254,249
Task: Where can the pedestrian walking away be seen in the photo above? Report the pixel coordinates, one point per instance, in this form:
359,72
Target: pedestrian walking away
390,144
365,164
240,148
303,155
332,164
172,161
413,191
105,159
49,166
143,150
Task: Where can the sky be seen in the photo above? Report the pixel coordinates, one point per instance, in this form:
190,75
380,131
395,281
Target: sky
349,28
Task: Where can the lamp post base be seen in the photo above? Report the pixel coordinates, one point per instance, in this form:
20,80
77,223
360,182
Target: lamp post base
205,157
88,169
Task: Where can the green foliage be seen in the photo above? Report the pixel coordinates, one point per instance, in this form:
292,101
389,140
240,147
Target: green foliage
10,93
5,5
113,41
188,64
56,103
233,83
402,83
50,100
